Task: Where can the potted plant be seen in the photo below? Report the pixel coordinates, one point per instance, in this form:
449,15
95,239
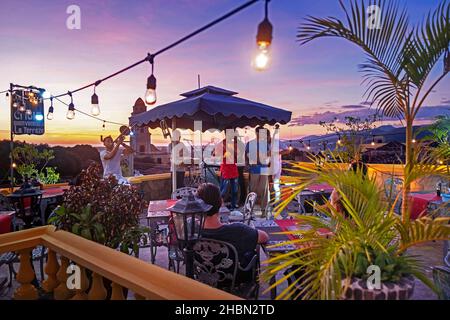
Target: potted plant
367,242
103,211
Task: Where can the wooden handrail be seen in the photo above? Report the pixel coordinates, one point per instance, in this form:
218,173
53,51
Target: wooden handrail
144,279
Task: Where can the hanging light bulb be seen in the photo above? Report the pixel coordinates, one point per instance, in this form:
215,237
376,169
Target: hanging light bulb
309,145
290,146
28,112
50,110
413,140
104,125
71,110
263,41
22,107
339,139
150,93
95,109
373,141
7,98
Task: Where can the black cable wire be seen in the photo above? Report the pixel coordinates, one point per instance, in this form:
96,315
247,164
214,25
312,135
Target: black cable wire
89,115
150,57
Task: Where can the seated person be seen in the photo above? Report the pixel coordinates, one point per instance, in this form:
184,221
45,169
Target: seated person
241,236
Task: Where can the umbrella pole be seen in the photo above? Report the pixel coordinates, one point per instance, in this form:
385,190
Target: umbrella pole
174,173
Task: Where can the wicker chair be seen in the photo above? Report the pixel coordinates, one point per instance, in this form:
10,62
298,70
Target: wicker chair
179,193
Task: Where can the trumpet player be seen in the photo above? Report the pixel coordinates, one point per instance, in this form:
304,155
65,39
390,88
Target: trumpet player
112,155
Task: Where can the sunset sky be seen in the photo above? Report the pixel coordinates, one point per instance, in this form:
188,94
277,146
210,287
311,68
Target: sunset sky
312,81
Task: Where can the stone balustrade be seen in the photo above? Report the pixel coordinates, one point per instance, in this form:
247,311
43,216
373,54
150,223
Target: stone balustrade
102,271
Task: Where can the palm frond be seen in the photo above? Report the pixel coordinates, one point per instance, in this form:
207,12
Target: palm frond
431,39
422,230
383,46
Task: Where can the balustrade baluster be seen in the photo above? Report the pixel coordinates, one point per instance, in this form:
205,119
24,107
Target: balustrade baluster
117,292
26,291
51,268
98,291
84,285
61,292
138,296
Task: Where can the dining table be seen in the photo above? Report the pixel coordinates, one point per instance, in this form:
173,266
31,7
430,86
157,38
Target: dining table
278,238
420,202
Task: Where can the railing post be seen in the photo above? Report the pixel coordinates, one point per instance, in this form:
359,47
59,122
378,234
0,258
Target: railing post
26,291
117,292
61,292
84,285
51,268
98,291
138,296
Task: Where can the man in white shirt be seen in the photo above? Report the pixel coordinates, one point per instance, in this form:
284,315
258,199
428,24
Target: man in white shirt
112,155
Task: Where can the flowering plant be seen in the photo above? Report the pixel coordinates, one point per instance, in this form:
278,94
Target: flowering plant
103,211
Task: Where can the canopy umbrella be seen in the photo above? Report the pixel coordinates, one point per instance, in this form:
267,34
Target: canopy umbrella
217,108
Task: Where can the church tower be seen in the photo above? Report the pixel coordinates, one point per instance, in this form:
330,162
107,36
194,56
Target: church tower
141,139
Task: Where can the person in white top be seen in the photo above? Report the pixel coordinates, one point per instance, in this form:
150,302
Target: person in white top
112,155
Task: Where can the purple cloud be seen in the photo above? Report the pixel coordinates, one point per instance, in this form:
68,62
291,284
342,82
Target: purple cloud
353,106
425,113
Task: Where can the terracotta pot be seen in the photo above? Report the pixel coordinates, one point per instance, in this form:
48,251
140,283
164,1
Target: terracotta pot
401,290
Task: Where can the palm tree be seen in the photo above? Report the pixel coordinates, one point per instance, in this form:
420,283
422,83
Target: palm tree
399,56
371,234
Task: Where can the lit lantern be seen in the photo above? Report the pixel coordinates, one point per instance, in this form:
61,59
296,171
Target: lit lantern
188,216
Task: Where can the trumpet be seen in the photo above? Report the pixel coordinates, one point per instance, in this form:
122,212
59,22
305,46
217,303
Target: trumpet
124,131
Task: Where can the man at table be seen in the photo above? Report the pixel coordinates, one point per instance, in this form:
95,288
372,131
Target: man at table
241,236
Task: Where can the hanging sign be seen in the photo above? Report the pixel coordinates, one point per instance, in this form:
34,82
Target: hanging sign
27,117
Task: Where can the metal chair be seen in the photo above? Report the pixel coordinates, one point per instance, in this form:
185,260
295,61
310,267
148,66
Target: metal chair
179,193
441,277
247,210
216,263
28,209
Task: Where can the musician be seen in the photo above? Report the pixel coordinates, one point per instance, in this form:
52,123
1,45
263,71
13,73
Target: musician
112,155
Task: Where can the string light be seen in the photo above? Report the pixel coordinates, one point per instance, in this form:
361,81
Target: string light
339,139
95,109
373,141
309,145
45,94
150,94
7,98
50,110
263,41
413,141
71,110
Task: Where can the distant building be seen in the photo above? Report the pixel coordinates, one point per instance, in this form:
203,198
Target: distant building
142,139
390,152
147,159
